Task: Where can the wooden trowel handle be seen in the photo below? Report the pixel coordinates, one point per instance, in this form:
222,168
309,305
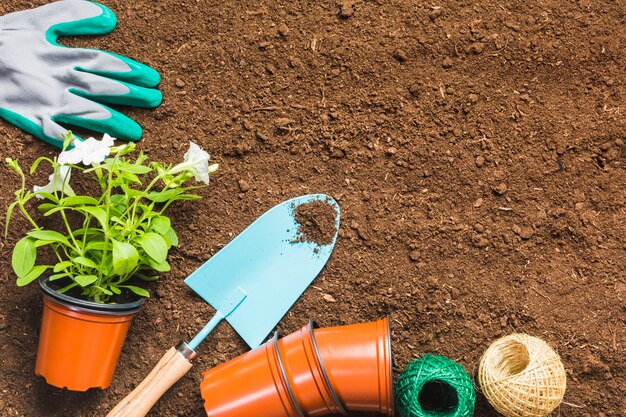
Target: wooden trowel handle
173,365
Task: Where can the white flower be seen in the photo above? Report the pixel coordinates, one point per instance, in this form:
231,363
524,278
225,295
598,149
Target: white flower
196,161
59,181
88,152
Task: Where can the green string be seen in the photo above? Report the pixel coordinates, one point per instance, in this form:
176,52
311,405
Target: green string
434,386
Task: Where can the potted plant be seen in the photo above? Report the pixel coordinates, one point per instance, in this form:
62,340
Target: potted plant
103,246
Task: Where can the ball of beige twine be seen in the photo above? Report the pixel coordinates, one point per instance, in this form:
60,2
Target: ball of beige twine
521,376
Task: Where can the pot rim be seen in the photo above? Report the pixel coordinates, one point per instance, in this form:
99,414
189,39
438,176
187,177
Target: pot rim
89,306
392,390
312,325
281,367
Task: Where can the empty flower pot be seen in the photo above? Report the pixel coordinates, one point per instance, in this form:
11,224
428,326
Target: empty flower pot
358,361
305,374
251,385
80,341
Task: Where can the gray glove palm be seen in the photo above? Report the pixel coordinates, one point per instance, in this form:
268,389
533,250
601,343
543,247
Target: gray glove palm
44,84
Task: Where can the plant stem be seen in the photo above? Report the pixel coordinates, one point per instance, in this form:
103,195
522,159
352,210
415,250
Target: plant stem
107,211
26,215
69,231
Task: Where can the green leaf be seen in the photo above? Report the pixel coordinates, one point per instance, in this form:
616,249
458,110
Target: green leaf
81,260
160,224
68,138
119,199
117,211
99,214
85,280
163,196
8,217
171,236
125,257
86,231
141,158
119,202
104,290
35,164
79,200
62,266
114,289
147,210
24,256
55,209
45,207
126,178
132,168
160,267
59,276
187,197
126,148
154,245
132,193
95,245
147,277
139,291
50,235
48,196
32,275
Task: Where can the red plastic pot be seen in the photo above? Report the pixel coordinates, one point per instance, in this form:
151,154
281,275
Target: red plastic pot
306,375
358,361
251,385
80,342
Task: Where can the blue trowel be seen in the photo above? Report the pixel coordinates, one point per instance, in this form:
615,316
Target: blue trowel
252,282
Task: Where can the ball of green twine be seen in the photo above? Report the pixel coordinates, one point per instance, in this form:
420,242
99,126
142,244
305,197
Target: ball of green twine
434,386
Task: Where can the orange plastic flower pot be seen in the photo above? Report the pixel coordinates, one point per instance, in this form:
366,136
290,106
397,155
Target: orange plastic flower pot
305,374
80,342
251,385
358,361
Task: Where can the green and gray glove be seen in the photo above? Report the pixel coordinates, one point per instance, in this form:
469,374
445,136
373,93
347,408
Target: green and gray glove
44,84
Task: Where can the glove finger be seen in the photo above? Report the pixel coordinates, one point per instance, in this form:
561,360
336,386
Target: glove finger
108,91
117,67
87,114
81,17
42,128
72,18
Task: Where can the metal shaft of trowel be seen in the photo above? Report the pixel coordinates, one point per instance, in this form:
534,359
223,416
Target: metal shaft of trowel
228,306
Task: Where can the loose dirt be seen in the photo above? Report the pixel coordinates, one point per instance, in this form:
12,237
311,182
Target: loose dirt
316,222
476,149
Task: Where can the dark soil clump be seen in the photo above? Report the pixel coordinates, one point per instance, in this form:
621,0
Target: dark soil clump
317,222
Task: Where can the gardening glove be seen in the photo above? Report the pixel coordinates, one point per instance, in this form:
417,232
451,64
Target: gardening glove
43,83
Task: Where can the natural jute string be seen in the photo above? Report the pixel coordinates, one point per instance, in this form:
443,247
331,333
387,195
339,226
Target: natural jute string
521,376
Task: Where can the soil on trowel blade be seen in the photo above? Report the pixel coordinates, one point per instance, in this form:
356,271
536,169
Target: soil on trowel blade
316,222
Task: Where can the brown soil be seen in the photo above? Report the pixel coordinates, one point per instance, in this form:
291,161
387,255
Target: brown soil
316,222
477,150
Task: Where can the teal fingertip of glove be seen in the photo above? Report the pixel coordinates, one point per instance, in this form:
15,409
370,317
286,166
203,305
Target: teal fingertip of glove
97,25
118,125
137,96
139,74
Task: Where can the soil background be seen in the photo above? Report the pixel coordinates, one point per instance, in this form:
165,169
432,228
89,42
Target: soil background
477,151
